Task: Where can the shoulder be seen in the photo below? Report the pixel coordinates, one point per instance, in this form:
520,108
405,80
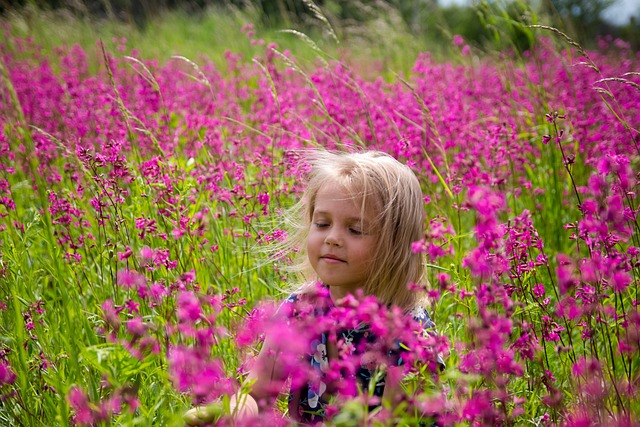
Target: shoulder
303,293
297,295
288,306
292,298
308,299
420,314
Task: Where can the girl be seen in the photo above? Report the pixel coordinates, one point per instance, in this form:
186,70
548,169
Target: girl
359,216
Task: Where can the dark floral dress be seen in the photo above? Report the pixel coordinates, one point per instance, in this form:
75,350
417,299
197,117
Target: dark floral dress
307,403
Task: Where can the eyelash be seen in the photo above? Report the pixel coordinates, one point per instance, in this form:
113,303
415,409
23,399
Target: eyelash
354,231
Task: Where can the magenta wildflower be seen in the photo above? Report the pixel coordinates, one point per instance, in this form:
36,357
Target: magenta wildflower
130,279
7,376
192,371
136,327
458,40
157,292
418,247
477,407
146,255
111,314
79,402
620,280
538,290
126,254
189,309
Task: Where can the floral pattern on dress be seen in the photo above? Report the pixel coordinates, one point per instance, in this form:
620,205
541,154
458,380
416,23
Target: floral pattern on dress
307,404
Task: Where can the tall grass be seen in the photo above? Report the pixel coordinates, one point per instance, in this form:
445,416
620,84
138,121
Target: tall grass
215,30
138,192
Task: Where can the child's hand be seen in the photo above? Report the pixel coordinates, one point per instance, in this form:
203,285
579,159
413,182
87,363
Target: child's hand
201,415
237,406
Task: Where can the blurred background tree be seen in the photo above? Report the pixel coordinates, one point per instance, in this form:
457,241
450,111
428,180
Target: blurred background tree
478,21
580,18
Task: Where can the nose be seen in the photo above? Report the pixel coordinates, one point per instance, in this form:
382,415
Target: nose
333,238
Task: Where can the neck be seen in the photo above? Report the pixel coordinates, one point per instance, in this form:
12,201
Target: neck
337,293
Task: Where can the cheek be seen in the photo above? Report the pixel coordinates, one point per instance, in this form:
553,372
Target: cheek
372,251
367,252
312,243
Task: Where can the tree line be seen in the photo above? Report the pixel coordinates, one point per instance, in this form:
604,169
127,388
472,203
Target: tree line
581,19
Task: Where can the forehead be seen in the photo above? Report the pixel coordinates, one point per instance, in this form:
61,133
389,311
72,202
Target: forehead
335,199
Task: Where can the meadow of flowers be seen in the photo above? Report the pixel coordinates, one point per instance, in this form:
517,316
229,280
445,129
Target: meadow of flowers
138,204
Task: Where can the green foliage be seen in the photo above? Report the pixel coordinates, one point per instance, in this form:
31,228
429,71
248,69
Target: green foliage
582,18
422,19
37,271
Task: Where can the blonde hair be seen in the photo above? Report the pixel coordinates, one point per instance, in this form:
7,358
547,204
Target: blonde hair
379,182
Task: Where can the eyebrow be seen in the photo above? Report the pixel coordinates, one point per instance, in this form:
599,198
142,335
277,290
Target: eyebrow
353,218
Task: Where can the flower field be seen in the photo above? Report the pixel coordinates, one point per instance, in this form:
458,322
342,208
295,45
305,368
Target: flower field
139,203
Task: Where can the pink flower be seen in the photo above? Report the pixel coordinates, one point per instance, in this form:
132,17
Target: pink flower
79,402
538,290
418,247
130,279
477,407
111,314
191,370
620,280
189,309
458,40
136,327
7,376
158,292
124,255
146,255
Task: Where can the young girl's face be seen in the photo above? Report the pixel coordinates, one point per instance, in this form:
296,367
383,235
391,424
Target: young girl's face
342,241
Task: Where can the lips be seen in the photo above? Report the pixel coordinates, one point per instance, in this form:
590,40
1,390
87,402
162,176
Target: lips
331,258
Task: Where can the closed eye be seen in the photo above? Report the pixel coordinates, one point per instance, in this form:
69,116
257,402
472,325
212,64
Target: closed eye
320,224
356,231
